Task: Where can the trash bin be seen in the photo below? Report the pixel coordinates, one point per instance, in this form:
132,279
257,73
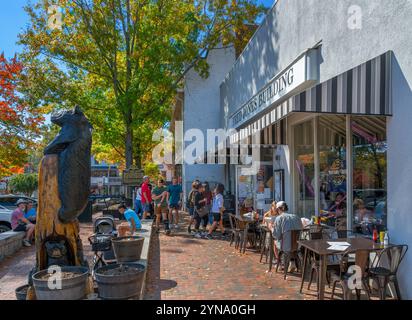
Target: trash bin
86,215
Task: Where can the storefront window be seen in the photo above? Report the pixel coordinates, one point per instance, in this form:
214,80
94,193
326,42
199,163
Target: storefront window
333,169
369,174
304,169
255,192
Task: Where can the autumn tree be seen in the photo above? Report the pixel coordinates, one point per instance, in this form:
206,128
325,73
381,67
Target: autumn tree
19,122
122,60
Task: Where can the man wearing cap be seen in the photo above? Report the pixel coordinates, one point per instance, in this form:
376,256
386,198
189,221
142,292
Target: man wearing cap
20,223
146,197
283,224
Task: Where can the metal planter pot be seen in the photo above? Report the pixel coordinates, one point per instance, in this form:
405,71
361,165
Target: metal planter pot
73,288
120,285
128,249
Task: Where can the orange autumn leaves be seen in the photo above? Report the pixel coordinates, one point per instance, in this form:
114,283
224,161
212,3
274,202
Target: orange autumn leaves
19,122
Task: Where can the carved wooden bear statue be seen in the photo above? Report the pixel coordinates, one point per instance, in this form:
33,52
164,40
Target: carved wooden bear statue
72,145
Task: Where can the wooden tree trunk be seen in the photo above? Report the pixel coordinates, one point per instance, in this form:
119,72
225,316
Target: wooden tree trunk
48,225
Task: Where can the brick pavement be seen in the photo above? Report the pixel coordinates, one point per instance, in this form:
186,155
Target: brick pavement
183,267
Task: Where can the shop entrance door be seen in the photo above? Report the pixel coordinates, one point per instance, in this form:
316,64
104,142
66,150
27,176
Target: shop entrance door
254,192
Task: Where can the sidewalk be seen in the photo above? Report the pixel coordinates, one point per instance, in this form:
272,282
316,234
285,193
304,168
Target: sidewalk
183,267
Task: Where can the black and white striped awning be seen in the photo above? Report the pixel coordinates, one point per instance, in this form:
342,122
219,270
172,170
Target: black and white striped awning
364,90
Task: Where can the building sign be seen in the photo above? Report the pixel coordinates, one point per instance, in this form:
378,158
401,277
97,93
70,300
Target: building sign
132,176
279,88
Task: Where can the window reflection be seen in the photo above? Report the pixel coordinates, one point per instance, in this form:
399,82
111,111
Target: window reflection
369,173
304,169
333,170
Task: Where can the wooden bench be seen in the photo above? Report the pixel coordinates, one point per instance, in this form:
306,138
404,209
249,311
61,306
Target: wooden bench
10,242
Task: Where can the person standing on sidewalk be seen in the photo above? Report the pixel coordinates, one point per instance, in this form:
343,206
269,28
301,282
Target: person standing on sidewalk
146,197
174,198
201,215
217,210
159,194
209,197
190,204
138,202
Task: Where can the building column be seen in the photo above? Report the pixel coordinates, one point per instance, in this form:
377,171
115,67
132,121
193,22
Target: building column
316,164
349,174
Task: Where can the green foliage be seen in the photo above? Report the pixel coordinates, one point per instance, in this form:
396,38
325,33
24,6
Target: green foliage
151,170
122,61
24,183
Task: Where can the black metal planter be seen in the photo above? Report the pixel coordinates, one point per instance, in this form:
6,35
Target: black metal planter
128,249
120,281
73,288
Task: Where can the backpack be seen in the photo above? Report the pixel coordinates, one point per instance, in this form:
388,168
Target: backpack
190,203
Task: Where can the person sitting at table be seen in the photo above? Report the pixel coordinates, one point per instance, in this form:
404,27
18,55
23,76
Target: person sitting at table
273,212
361,212
338,208
283,223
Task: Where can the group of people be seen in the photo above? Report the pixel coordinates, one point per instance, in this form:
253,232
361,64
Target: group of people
205,208
164,201
23,219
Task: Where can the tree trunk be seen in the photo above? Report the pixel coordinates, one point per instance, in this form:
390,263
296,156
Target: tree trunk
129,139
138,157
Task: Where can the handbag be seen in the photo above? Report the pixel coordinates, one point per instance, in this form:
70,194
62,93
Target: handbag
201,212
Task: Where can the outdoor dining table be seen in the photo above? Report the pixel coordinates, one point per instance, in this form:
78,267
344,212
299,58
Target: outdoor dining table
320,247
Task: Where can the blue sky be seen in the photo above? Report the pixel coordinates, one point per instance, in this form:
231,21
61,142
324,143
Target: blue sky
13,20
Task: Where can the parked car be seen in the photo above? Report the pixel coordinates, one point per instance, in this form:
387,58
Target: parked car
7,205
9,200
5,219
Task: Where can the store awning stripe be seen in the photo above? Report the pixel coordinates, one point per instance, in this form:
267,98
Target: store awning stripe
363,90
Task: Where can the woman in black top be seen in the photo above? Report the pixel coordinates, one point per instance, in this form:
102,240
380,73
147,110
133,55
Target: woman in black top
200,202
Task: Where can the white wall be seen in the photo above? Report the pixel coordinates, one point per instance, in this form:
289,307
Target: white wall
202,111
400,172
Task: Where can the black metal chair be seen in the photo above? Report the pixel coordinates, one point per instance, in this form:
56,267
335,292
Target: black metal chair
318,233
235,232
343,277
267,247
385,267
289,254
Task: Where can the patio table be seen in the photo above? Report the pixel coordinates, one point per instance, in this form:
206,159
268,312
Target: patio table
320,247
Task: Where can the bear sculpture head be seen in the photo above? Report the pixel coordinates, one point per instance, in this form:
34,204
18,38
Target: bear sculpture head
73,147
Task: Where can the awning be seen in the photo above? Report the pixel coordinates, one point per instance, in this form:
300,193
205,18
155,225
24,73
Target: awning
363,90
